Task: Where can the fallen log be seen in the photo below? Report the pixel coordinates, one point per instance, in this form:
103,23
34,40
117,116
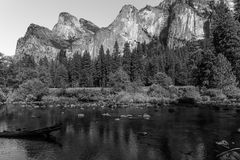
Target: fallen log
43,132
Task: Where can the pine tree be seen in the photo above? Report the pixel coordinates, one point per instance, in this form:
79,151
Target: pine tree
109,65
86,65
223,74
204,72
237,10
62,58
126,61
137,64
52,71
27,61
61,76
76,69
225,33
44,62
237,71
101,76
116,57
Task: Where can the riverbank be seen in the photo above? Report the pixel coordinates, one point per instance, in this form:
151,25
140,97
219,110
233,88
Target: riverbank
156,96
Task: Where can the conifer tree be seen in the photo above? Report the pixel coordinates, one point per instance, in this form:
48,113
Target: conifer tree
237,10
86,66
61,76
223,74
27,61
225,33
116,57
204,72
44,62
52,70
62,58
76,69
109,65
101,68
126,61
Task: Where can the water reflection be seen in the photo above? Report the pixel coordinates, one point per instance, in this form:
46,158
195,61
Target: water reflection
185,134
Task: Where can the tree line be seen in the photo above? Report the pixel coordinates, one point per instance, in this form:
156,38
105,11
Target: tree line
213,62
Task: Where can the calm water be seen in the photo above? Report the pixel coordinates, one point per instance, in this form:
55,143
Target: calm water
179,134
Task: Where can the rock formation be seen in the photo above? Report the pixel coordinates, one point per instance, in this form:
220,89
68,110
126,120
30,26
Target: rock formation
175,21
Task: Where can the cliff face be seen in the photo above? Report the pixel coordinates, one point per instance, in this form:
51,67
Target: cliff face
186,25
40,42
176,21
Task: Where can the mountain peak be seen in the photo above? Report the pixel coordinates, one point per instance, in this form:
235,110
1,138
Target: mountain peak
128,8
68,19
34,29
88,25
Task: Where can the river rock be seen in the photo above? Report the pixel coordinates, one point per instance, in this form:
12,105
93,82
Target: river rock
146,116
81,115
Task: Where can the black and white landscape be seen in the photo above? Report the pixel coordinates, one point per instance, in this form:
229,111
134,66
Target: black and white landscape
158,83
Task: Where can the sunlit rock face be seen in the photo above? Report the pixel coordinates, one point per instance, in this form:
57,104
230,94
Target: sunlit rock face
80,32
125,28
186,25
153,20
175,21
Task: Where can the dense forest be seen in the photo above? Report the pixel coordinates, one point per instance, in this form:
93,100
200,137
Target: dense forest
210,63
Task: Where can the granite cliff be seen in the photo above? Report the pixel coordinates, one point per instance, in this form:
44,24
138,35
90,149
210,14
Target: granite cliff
175,21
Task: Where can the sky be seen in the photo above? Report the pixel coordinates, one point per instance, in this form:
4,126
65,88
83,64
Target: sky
17,15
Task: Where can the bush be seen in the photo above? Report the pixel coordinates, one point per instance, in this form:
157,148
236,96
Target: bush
119,80
215,94
32,90
133,87
206,98
54,99
14,97
3,97
163,79
232,92
126,97
158,91
189,94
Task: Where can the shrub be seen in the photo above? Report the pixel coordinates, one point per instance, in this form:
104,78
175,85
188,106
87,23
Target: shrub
14,97
54,99
126,97
3,97
32,88
158,91
206,98
232,92
133,87
163,79
215,94
119,80
189,94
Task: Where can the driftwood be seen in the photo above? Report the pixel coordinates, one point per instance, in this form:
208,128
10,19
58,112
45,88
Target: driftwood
44,132
230,154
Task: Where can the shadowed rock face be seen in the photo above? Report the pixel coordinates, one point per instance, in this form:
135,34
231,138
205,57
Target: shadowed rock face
40,42
178,21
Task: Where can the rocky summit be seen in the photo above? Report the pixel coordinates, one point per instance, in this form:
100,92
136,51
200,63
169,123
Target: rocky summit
175,21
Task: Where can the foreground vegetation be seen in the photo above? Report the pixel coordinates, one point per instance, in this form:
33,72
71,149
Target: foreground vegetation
122,92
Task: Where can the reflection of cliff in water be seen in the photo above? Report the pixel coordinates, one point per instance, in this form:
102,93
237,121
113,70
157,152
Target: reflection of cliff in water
185,134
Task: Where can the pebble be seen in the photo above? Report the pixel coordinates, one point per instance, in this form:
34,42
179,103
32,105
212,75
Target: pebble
80,115
146,116
123,116
106,115
142,133
129,115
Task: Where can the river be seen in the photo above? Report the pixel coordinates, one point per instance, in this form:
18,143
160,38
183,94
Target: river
88,133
